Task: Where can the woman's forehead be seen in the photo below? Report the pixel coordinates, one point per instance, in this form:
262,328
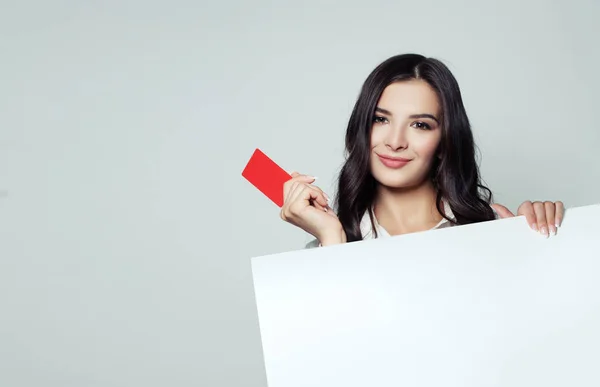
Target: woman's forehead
409,97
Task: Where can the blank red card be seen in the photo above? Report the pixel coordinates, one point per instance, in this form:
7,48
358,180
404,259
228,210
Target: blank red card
267,176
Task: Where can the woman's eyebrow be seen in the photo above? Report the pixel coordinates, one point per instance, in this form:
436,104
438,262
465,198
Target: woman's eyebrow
382,110
425,115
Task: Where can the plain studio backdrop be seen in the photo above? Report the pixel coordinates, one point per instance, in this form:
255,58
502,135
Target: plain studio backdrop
126,228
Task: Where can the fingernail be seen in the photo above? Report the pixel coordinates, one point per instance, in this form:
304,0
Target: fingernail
535,227
557,224
553,229
544,232
326,197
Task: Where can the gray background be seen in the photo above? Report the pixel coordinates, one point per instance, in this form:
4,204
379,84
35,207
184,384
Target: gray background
126,228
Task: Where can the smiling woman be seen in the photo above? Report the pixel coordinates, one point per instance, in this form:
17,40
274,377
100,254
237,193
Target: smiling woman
410,164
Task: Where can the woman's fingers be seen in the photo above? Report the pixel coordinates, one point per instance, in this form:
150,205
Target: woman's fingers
560,211
550,217
526,209
299,179
545,217
291,184
540,215
310,195
304,196
300,195
322,192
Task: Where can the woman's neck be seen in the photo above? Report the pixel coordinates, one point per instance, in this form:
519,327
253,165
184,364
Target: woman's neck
402,211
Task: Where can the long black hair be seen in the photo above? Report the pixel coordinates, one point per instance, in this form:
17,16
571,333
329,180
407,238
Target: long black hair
455,174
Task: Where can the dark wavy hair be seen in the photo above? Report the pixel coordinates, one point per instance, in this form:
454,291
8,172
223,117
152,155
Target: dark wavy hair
455,175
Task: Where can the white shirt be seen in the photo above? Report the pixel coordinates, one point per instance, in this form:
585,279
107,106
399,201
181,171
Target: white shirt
366,228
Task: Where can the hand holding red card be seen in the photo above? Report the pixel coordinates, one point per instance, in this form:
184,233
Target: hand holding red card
309,209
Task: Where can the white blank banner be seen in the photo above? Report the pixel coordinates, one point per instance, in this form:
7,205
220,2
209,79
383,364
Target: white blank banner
491,304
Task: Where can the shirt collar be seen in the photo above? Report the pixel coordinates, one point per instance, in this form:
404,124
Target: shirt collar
366,228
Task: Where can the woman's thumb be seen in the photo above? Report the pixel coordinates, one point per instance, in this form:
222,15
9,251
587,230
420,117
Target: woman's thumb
503,211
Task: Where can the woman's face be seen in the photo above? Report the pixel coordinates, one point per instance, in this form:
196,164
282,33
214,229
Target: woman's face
405,135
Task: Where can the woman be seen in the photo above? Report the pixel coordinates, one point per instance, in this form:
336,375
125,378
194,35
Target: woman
410,164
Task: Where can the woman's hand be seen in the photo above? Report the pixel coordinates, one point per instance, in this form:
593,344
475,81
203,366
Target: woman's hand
306,206
544,217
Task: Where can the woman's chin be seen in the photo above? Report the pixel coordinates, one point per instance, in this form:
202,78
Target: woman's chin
400,184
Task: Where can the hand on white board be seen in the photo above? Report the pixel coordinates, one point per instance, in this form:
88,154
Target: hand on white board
307,206
544,217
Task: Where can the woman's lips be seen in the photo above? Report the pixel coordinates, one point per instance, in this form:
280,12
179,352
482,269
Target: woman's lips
393,162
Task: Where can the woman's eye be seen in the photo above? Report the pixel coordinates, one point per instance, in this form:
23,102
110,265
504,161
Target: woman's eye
379,120
422,125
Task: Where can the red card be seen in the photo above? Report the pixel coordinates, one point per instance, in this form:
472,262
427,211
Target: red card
267,176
